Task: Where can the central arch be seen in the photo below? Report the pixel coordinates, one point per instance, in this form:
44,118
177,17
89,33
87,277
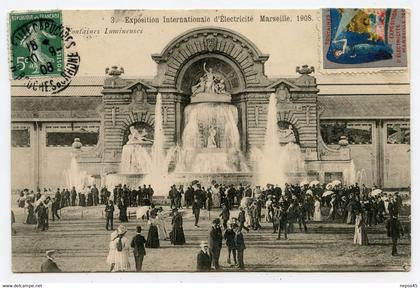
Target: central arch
226,45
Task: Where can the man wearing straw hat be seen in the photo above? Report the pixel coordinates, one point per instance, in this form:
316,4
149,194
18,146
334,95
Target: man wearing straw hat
49,265
203,258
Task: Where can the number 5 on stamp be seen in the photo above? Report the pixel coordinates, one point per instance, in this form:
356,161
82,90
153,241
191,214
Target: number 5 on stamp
36,44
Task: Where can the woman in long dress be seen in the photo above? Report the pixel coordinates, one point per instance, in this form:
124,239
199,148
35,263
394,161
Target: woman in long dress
111,254
177,234
215,196
21,200
317,211
122,248
31,217
360,234
123,211
160,222
153,236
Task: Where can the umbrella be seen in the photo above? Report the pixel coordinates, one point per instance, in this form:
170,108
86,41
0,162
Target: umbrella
141,211
327,193
303,183
41,199
245,201
376,192
315,182
336,182
309,192
329,186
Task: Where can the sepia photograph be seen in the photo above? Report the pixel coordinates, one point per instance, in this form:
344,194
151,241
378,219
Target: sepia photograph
210,140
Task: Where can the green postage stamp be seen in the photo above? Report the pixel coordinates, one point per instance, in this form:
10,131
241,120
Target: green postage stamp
43,51
36,44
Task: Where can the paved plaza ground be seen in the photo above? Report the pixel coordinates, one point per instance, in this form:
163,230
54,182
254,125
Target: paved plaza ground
82,245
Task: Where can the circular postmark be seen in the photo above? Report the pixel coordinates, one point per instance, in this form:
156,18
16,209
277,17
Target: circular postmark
43,51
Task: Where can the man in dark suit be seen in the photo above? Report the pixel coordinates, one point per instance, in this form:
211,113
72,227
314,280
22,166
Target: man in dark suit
171,196
242,219
215,242
240,246
150,193
196,206
137,243
49,265
42,216
394,231
57,196
73,196
281,219
55,206
301,213
109,214
189,196
95,195
203,258
225,214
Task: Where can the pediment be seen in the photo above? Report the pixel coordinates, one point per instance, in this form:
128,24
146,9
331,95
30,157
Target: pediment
287,83
139,84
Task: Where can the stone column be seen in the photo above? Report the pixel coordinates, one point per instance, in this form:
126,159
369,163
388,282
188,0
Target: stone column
244,129
37,155
379,179
178,120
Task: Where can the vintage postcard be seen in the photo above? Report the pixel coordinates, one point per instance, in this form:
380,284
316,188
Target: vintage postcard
209,141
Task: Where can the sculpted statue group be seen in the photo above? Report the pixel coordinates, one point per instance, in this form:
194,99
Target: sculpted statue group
209,83
136,137
287,135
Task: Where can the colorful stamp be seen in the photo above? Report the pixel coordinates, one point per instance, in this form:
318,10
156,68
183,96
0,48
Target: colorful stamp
42,51
364,38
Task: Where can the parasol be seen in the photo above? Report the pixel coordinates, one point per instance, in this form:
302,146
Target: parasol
314,182
245,201
309,192
41,199
141,211
327,193
303,183
336,182
376,192
329,186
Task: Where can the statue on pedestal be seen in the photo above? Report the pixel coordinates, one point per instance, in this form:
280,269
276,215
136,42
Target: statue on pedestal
287,135
211,140
136,137
210,88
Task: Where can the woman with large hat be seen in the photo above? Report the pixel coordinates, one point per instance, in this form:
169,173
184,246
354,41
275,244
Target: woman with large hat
112,248
160,217
177,234
122,250
153,236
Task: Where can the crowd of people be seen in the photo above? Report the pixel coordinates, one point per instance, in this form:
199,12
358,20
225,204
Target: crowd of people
284,209
40,207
